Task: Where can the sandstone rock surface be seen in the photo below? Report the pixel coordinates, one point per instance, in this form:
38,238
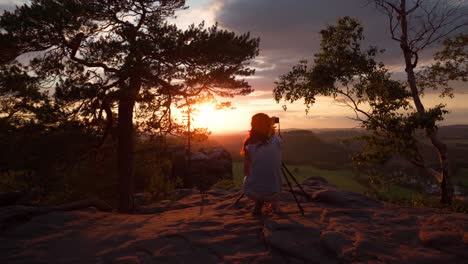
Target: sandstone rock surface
338,227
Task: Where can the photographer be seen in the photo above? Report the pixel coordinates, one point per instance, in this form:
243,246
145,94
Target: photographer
262,164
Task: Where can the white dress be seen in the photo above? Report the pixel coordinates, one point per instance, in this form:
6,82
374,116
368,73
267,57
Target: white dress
265,175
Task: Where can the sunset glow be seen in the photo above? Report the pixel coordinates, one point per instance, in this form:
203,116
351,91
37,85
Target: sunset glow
281,50
219,120
324,114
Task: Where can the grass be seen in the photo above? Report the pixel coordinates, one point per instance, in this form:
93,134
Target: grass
393,193
237,170
342,178
396,192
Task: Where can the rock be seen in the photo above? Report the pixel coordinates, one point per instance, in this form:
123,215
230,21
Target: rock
143,198
445,233
92,210
127,260
297,242
335,197
198,156
206,167
192,230
218,192
335,243
210,165
181,193
315,180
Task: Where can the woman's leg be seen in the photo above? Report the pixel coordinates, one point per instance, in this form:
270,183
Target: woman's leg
258,207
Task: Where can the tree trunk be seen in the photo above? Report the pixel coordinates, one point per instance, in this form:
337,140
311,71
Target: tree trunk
188,154
445,185
125,155
446,192
125,151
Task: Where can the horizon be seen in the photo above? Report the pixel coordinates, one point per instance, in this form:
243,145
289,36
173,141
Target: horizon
325,129
325,114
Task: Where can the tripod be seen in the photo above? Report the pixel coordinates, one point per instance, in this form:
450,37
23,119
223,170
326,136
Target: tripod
286,174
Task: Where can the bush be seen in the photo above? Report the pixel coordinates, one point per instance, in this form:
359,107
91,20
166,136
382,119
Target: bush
420,200
15,181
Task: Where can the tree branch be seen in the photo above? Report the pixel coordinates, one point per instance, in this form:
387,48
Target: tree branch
355,104
74,45
414,8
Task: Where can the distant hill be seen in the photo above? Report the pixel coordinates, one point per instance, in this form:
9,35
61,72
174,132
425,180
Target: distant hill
454,132
456,137
332,135
300,146
304,146
325,147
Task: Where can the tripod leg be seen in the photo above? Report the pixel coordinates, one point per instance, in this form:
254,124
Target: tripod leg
292,192
238,199
297,183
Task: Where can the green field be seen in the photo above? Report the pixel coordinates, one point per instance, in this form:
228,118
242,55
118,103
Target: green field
394,191
342,178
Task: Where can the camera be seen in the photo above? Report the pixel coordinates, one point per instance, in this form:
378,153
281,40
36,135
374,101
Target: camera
275,119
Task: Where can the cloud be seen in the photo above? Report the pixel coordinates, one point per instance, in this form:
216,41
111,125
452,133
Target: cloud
289,30
291,27
204,11
9,5
260,64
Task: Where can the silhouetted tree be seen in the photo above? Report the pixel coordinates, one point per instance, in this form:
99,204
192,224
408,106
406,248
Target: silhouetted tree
104,60
416,25
345,71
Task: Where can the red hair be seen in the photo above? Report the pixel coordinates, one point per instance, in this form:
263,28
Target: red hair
260,125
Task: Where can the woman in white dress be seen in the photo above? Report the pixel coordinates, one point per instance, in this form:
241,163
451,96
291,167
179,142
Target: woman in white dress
262,163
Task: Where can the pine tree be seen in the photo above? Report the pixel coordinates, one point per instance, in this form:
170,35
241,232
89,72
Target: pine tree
109,59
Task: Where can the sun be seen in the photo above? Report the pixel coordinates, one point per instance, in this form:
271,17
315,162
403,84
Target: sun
216,120
205,115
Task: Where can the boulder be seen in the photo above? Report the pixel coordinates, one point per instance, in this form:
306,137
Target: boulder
210,230
143,198
340,198
206,167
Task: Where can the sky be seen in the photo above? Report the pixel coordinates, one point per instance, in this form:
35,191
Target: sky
288,32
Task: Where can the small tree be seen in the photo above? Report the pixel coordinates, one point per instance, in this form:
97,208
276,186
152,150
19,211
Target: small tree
102,60
416,25
345,71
